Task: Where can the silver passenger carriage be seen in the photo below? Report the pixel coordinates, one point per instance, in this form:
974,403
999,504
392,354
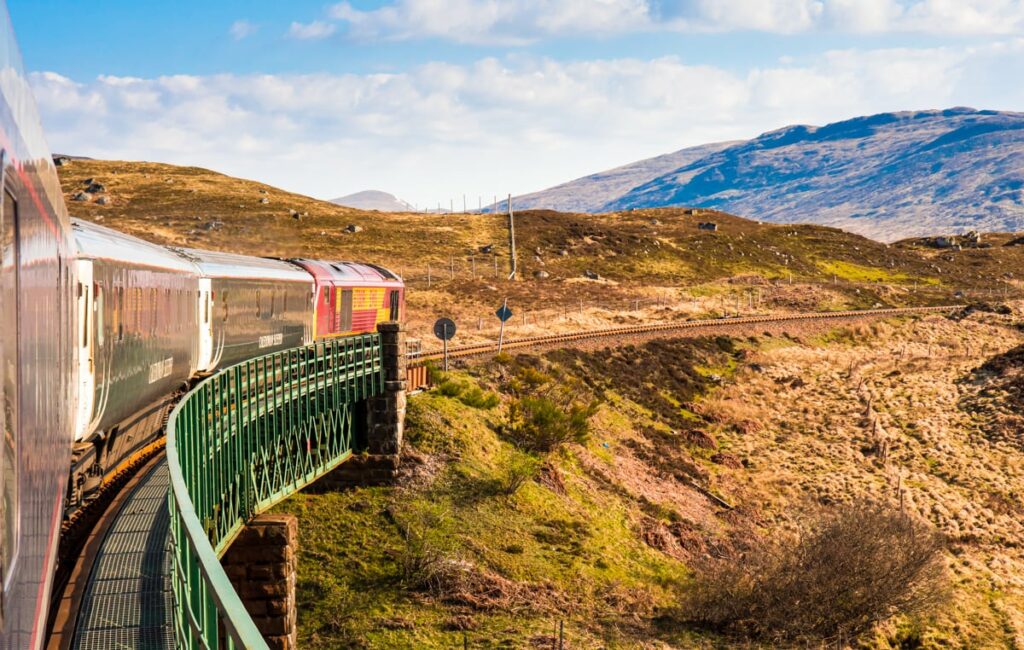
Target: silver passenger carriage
248,307
36,358
136,338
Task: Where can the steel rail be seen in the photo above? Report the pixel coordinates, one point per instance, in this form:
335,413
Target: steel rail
476,349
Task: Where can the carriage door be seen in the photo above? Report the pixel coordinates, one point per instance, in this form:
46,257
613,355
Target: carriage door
346,310
86,362
10,381
205,313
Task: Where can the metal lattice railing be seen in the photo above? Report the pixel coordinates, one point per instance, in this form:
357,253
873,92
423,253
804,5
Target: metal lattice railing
240,442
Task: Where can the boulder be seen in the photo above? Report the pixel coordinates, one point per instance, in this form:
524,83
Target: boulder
353,228
82,196
96,188
264,200
590,275
487,249
103,201
541,275
707,225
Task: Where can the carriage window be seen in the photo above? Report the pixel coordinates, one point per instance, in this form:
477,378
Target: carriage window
83,291
98,308
116,325
9,380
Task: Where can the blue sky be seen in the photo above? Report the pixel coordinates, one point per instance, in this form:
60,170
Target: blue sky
431,99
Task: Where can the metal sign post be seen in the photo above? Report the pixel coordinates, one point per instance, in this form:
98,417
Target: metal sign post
503,314
444,329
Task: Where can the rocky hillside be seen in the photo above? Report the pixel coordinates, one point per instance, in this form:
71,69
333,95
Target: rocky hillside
886,176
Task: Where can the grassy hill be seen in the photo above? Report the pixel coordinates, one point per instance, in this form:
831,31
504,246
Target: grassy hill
694,449
699,449
648,263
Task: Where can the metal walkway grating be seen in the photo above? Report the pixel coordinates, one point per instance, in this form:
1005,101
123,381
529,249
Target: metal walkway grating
127,603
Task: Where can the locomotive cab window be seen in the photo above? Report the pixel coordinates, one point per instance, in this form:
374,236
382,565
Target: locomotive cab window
393,303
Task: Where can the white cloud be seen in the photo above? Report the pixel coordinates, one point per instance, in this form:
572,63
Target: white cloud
315,30
491,21
241,29
517,22
496,125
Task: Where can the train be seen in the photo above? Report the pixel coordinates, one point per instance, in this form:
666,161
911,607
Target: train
101,332
151,320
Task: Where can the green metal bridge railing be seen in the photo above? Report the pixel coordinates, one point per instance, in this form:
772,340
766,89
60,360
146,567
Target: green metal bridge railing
240,442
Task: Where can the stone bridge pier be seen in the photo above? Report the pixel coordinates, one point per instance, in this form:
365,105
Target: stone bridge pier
377,462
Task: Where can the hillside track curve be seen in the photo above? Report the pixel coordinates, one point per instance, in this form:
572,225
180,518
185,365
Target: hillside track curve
744,325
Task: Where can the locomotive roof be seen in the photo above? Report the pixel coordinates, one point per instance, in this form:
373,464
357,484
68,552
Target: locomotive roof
93,241
347,271
229,265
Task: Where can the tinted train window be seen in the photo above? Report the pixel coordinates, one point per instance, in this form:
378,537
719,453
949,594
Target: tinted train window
10,369
393,299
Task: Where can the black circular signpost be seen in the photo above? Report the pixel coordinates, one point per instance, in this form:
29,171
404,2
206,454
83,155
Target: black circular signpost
444,329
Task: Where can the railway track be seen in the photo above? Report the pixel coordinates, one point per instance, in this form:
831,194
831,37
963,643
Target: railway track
420,358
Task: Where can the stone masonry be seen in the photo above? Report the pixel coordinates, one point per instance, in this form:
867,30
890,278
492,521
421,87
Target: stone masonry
385,422
261,564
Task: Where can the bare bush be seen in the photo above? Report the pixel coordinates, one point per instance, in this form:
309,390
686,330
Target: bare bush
426,557
844,572
520,470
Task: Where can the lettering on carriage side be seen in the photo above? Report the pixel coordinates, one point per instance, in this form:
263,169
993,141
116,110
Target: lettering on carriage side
161,369
271,340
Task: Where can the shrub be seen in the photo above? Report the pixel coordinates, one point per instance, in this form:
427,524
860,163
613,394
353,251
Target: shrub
478,399
836,578
541,424
545,412
520,470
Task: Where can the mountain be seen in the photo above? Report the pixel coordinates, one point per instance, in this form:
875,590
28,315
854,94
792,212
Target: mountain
374,200
591,193
887,176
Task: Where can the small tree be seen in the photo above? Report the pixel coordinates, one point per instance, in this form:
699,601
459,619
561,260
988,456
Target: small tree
841,574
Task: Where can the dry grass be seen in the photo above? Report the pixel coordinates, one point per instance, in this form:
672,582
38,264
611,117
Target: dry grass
656,257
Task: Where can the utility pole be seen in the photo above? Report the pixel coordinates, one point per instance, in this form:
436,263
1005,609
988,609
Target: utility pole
463,204
512,237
